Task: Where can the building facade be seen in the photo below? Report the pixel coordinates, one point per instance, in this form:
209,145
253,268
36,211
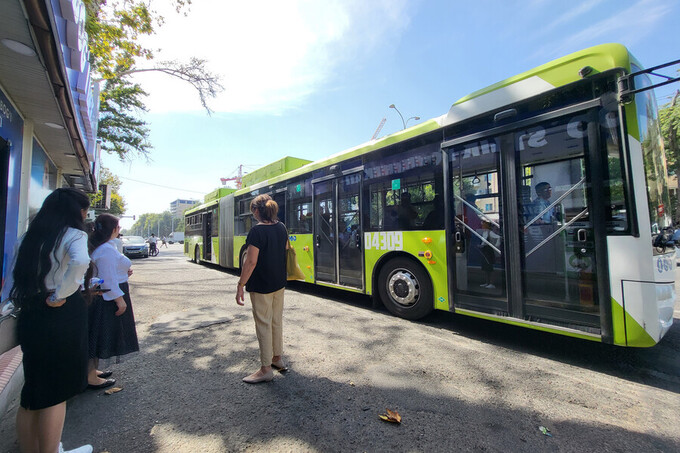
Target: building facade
178,207
48,131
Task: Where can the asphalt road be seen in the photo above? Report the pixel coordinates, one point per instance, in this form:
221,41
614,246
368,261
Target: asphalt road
460,384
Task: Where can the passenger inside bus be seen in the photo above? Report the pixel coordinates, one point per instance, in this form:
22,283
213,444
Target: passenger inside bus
406,213
542,201
435,218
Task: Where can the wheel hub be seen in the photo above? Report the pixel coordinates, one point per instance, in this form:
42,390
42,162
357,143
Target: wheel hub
402,286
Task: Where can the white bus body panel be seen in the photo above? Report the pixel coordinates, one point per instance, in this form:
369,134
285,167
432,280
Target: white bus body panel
642,284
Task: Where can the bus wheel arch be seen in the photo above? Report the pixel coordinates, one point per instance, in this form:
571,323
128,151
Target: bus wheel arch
404,287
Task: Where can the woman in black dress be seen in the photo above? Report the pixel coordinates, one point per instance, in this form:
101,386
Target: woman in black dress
111,319
52,325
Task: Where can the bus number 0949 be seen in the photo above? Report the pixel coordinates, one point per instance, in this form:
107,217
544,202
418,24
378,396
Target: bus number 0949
392,240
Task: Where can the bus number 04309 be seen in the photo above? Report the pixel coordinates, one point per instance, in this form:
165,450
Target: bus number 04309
393,240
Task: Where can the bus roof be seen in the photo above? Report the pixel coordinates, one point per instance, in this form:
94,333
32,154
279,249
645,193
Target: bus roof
544,78
556,73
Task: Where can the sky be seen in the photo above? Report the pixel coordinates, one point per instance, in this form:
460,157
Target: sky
309,79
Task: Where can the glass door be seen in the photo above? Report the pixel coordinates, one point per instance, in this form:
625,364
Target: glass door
4,166
522,208
207,235
325,231
337,230
480,279
350,269
559,262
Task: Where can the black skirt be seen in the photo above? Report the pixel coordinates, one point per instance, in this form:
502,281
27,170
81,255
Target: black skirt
112,335
54,344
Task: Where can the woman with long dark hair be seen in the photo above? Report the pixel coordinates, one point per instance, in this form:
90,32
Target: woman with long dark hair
52,325
264,277
111,320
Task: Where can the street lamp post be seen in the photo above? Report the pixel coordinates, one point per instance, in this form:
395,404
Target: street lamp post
404,123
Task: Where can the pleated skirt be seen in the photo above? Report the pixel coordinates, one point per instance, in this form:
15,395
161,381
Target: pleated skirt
111,335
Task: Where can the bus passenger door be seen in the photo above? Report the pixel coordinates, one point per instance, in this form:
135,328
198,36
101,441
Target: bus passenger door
324,231
207,235
556,226
478,229
337,230
525,221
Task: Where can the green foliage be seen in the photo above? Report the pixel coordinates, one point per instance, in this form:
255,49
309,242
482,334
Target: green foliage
114,28
120,130
160,224
117,202
669,118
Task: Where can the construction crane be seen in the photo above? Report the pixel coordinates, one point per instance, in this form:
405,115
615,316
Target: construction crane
236,178
380,126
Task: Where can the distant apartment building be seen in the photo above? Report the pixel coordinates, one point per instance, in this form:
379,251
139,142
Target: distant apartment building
178,207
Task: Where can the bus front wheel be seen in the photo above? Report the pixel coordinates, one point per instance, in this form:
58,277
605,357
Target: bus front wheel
405,289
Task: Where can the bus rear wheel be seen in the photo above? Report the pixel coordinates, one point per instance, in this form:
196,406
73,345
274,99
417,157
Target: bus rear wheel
405,289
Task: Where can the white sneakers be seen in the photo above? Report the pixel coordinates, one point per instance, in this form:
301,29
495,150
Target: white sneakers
84,449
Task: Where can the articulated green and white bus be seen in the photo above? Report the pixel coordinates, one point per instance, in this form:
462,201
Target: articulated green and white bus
540,201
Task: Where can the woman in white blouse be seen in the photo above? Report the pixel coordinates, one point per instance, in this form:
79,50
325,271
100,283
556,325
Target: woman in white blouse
52,324
111,319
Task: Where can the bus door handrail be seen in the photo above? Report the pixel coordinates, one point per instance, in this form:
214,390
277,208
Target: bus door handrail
328,224
554,203
478,212
478,235
558,231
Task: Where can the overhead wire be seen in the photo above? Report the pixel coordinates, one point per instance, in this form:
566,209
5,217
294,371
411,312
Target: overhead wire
160,185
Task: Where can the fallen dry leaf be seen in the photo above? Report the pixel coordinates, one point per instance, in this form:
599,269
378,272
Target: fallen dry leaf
112,390
391,416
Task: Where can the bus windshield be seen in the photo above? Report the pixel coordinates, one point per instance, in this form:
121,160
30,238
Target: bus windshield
658,196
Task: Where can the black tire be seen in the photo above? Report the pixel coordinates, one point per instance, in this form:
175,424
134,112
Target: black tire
405,289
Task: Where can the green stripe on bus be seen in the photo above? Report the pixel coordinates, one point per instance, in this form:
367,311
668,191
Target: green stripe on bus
627,331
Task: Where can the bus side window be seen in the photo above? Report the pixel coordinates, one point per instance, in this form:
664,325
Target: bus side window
299,207
402,186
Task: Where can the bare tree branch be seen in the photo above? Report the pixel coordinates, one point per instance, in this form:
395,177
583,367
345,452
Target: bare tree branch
206,83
